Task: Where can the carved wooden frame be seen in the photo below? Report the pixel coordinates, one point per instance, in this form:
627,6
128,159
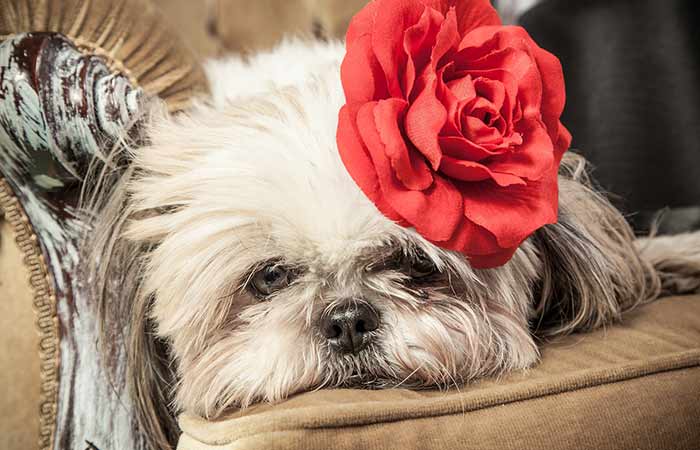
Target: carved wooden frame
60,108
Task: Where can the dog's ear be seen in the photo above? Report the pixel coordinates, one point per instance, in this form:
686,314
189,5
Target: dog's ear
591,269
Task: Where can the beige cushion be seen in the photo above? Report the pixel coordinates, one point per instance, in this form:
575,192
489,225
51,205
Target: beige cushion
631,386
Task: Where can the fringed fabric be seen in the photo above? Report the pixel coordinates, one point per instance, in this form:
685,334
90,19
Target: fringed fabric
131,35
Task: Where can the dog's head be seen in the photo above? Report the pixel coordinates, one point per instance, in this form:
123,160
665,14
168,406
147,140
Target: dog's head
272,272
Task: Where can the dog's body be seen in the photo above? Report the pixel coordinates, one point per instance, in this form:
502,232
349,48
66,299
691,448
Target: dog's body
237,245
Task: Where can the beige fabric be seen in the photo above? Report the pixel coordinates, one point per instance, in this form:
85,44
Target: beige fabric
130,34
631,386
28,332
334,15
193,21
19,358
246,26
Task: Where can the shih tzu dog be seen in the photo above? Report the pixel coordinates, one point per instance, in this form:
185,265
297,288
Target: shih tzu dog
249,261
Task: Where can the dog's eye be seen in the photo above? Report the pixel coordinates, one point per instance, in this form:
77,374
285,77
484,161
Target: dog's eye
417,265
420,266
270,279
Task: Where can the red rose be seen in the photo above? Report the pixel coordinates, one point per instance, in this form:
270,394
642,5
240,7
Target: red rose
451,124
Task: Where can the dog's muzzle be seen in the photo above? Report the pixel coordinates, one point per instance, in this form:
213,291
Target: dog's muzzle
349,326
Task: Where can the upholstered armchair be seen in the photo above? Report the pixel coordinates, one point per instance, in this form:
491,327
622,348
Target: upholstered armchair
74,77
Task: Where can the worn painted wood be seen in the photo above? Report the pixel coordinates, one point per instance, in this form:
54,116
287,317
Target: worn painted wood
59,109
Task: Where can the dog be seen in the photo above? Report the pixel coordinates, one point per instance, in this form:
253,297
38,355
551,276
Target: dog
243,264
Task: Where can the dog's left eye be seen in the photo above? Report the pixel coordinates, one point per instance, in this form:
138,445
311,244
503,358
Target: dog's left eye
420,266
270,279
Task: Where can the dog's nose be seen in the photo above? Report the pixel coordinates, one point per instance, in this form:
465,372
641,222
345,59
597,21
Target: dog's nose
348,327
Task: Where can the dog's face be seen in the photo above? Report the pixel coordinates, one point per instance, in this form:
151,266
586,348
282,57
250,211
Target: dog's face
272,273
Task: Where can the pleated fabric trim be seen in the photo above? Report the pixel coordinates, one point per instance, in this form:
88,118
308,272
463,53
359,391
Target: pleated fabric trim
131,35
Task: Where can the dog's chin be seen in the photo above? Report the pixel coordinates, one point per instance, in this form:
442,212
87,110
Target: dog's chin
371,369
366,369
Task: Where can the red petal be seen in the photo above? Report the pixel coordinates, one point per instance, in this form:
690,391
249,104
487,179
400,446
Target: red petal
553,92
464,149
361,24
362,76
493,260
479,245
532,159
418,42
477,131
563,143
419,39
472,13
358,162
393,18
409,166
447,38
550,70
425,118
512,213
435,212
553,89
510,86
473,171
486,39
462,88
491,90
520,64
454,95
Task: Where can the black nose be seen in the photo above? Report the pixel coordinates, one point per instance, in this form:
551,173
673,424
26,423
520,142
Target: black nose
348,326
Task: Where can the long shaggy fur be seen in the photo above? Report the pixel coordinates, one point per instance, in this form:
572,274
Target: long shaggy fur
183,222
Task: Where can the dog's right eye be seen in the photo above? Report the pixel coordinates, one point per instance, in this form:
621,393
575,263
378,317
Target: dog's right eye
270,279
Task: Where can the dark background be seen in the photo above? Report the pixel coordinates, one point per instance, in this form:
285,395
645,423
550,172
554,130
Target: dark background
632,70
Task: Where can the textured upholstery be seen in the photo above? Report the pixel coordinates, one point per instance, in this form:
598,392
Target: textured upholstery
20,376
131,34
244,26
635,386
